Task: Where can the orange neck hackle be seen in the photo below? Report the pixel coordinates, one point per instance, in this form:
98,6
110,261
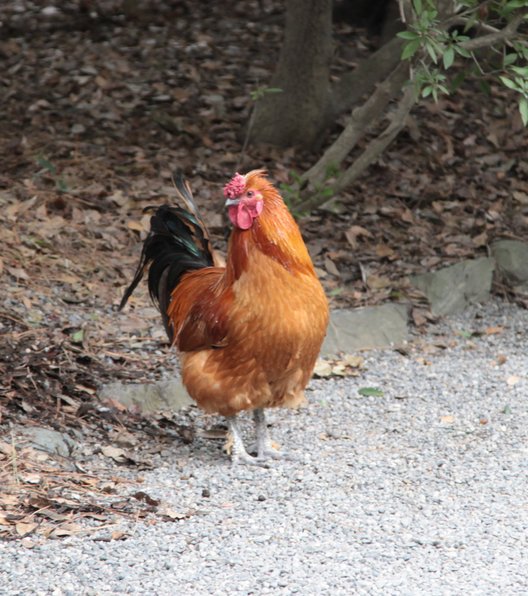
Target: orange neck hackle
274,233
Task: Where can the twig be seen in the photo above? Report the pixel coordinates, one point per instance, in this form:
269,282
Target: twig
492,38
14,458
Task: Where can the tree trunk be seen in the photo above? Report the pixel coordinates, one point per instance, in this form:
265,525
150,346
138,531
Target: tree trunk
299,114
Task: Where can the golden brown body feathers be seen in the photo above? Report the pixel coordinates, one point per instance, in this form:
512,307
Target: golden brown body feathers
249,334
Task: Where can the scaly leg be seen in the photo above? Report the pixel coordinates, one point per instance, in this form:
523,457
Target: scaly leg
239,453
264,447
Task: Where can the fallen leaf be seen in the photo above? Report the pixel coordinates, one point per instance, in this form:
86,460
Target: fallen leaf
370,392
384,251
354,232
17,272
116,453
447,419
137,226
322,368
342,366
31,478
480,240
423,361
8,500
28,543
494,330
169,514
407,216
339,370
513,380
378,282
143,496
118,535
353,361
330,266
66,530
23,529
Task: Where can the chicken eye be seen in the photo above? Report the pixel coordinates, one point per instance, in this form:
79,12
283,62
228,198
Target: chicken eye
250,194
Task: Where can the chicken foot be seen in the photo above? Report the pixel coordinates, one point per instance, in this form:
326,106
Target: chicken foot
238,450
265,449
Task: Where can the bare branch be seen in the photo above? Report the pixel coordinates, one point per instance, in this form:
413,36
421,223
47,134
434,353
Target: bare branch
490,39
376,147
358,123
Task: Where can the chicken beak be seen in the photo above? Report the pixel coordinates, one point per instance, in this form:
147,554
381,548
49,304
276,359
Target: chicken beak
232,202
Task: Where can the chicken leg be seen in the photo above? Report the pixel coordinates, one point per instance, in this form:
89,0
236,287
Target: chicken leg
265,448
238,450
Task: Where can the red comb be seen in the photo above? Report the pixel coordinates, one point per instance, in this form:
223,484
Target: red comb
235,187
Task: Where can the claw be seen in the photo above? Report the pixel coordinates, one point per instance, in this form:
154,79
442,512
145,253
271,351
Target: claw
265,449
239,455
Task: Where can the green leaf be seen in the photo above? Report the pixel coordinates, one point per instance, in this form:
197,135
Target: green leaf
508,83
61,185
431,50
462,52
409,35
418,6
370,392
513,4
448,57
523,109
410,49
520,70
426,91
78,336
46,164
509,59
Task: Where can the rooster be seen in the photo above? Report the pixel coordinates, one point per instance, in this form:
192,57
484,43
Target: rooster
249,332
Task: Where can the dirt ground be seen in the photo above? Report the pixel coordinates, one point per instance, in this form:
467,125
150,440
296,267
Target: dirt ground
100,104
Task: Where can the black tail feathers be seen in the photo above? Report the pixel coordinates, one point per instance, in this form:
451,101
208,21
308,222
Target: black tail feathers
177,242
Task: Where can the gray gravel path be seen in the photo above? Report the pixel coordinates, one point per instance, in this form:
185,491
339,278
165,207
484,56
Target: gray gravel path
423,490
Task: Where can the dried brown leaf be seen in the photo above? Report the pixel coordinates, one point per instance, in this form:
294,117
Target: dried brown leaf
25,528
116,453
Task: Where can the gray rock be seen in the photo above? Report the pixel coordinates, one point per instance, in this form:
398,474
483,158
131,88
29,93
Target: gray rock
511,257
452,289
369,327
51,441
168,395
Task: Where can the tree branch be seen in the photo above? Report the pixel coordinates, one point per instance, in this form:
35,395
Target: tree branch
373,150
376,147
358,123
370,111
492,38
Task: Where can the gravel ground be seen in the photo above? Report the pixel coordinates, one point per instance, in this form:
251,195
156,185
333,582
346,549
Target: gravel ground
423,490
